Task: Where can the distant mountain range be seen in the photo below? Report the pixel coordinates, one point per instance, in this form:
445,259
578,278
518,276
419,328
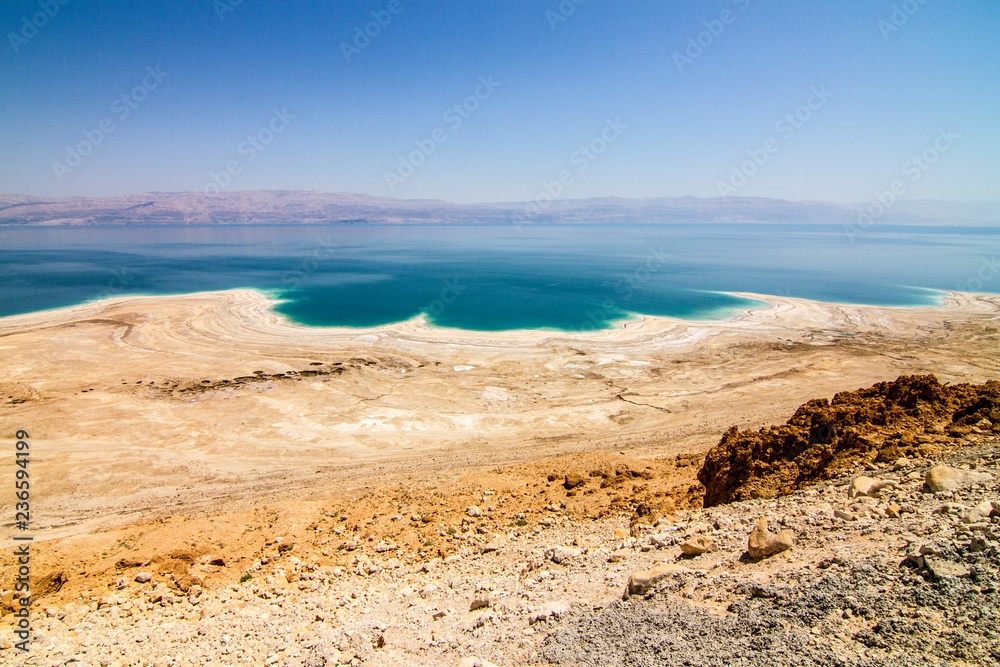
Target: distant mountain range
261,207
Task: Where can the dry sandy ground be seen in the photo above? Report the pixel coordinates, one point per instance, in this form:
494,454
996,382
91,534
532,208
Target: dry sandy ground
210,405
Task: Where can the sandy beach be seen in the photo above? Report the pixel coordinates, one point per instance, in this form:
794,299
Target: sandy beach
150,406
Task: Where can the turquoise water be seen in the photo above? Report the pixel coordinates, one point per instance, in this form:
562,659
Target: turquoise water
492,278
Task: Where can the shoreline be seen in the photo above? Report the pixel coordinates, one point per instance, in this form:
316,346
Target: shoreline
726,314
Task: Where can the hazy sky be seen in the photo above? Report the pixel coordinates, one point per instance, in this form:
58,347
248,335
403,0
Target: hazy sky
497,100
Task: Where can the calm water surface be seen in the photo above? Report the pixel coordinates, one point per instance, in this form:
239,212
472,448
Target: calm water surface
498,277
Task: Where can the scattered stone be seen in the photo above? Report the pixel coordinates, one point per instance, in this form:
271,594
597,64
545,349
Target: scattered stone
549,610
978,545
989,508
662,539
698,545
560,554
143,577
972,516
210,610
929,549
762,543
900,464
573,480
495,544
321,654
845,515
928,450
475,619
481,600
473,511
160,593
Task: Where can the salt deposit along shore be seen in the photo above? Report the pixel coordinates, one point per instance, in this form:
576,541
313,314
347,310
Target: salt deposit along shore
168,429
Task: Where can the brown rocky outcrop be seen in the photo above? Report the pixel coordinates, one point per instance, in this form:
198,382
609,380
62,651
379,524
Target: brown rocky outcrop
904,417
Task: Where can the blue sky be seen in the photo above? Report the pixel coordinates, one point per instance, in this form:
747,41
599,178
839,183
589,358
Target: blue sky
802,100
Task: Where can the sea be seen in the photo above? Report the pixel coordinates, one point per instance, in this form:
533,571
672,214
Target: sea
493,278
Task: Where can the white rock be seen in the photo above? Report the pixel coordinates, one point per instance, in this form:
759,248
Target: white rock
560,554
944,479
662,539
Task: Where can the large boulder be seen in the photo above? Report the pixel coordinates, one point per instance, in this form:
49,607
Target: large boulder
762,543
698,545
942,479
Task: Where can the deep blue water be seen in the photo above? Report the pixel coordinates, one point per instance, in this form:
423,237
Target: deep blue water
498,277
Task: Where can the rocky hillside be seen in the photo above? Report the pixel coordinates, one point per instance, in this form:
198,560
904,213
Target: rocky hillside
596,559
892,565
900,568
909,416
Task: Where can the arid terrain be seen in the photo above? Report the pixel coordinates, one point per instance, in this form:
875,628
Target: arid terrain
202,440
311,207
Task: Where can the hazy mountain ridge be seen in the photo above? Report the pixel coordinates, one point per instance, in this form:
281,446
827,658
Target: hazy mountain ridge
311,207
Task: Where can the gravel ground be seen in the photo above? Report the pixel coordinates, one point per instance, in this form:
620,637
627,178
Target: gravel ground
908,577
879,608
